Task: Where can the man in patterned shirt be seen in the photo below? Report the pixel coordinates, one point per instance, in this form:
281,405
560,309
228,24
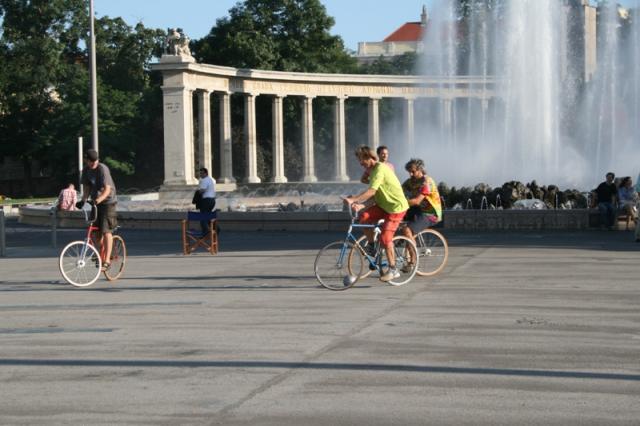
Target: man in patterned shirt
425,207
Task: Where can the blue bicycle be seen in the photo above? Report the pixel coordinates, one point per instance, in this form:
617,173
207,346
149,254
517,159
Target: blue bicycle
340,264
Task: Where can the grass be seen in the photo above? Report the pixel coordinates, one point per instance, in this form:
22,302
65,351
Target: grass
22,201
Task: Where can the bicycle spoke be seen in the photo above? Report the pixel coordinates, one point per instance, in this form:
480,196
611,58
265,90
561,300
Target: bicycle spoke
433,251
338,265
77,265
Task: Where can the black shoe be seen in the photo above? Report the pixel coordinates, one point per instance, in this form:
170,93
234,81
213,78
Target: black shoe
370,249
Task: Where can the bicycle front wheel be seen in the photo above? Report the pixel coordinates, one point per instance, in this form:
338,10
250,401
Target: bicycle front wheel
357,252
80,263
433,252
406,254
338,265
118,259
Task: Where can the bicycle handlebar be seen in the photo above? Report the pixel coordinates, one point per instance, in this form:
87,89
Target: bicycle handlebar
353,214
93,210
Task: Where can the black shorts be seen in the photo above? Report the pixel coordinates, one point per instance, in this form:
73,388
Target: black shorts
417,220
107,219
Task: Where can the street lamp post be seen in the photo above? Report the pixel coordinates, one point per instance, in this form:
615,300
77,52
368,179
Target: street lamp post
94,84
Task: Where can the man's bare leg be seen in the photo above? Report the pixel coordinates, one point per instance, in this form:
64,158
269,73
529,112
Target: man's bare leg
406,231
391,256
106,242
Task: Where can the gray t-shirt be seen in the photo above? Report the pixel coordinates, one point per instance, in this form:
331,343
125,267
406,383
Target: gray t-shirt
97,179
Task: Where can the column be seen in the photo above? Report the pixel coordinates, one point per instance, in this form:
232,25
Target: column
204,130
409,122
374,123
250,138
178,136
226,165
309,174
278,140
340,140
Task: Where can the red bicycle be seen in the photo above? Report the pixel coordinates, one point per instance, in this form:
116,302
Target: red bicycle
80,261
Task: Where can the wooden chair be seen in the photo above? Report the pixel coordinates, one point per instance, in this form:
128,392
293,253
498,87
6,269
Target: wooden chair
193,238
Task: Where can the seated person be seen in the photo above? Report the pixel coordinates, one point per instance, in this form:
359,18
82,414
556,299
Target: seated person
425,206
68,198
627,197
637,188
606,194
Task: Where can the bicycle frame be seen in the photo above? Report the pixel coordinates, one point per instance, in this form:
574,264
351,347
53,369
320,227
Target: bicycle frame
91,230
374,261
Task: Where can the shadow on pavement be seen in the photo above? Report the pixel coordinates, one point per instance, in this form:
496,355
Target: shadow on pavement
25,241
588,375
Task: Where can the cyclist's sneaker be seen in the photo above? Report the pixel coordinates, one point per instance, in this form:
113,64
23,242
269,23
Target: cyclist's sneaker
391,274
105,266
407,268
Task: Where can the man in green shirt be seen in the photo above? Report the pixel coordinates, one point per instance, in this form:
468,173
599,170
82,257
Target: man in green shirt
390,204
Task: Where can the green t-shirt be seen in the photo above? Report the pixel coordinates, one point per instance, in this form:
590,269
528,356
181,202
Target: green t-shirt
389,196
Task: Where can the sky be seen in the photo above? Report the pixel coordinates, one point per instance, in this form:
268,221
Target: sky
355,20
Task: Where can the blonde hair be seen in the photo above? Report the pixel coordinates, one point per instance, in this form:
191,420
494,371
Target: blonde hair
363,152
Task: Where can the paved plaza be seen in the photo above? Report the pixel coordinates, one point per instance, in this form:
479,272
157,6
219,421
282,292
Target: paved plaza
520,328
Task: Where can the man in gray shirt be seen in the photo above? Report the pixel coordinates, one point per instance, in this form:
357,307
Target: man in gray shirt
97,183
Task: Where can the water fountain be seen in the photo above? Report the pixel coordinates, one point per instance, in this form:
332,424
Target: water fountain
484,204
469,204
550,121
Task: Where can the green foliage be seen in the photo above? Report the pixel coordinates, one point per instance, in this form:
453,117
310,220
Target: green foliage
283,35
44,86
32,48
405,64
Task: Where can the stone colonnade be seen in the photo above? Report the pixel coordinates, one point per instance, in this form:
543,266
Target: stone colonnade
182,78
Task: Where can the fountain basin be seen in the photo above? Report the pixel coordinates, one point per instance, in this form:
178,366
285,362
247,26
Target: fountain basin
466,220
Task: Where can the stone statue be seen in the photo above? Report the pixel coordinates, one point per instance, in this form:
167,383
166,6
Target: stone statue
177,43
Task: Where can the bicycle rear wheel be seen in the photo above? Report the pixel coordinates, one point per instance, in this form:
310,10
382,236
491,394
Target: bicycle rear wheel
336,268
405,253
80,264
433,252
118,259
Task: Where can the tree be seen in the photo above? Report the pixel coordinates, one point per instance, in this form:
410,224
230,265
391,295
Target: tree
283,35
405,64
32,47
44,88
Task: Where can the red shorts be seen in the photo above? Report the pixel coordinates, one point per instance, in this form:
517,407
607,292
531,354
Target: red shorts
391,222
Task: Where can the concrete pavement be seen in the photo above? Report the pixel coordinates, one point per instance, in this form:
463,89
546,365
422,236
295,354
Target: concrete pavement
527,328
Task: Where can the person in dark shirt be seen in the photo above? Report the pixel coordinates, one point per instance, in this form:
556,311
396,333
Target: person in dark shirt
607,193
98,183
